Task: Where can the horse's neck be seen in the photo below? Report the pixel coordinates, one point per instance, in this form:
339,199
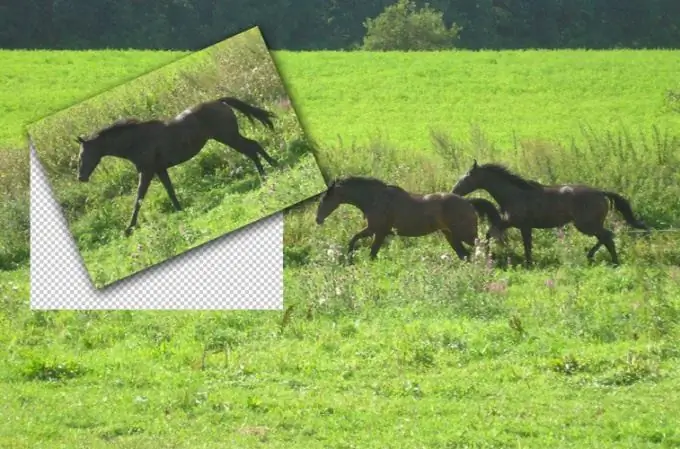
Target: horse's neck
125,146
502,192
361,200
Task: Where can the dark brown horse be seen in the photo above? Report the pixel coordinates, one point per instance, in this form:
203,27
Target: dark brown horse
389,207
153,146
531,205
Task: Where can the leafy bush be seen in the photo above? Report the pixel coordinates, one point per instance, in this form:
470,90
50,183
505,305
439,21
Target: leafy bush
402,26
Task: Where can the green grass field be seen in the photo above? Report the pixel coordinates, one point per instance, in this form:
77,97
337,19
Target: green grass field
416,349
511,95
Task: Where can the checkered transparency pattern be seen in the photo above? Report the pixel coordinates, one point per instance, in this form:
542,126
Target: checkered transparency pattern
242,270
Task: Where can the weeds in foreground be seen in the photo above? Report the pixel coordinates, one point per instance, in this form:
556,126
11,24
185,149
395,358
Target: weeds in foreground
14,208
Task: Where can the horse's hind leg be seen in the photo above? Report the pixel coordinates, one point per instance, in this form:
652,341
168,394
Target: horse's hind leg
249,148
378,240
144,181
261,151
593,250
594,226
457,245
604,237
607,237
359,235
165,179
527,239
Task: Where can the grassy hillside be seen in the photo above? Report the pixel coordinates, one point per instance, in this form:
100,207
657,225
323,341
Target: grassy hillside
219,189
416,349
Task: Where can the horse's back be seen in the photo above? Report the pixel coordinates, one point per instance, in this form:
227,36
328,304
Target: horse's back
135,133
457,201
184,114
573,193
456,210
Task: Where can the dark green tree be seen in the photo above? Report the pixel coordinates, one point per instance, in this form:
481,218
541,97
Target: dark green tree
403,26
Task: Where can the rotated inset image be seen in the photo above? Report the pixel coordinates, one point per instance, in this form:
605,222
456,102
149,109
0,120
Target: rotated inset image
176,158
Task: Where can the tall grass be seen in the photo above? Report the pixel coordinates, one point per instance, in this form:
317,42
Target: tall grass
14,207
646,170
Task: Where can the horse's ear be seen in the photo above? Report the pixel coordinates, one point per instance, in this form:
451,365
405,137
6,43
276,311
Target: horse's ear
474,164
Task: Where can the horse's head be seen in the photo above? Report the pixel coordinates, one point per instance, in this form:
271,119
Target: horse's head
469,182
88,158
329,202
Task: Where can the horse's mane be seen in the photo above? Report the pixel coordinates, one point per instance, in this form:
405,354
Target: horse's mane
358,181
511,177
118,126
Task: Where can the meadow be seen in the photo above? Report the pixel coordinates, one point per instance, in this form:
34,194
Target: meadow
415,349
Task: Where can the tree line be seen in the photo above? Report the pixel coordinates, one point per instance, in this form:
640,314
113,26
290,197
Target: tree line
333,24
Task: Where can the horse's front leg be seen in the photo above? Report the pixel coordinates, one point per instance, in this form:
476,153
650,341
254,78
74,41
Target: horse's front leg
527,240
145,178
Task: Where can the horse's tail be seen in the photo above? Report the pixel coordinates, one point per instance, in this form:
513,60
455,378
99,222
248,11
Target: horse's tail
250,111
485,208
623,206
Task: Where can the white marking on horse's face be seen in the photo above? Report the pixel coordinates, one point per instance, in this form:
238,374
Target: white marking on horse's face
566,189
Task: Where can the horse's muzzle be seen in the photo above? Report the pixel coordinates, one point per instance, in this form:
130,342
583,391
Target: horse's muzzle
319,220
83,178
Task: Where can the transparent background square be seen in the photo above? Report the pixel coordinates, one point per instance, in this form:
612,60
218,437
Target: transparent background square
241,270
